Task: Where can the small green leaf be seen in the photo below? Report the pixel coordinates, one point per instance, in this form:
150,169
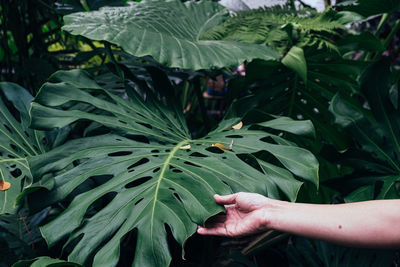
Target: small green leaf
296,61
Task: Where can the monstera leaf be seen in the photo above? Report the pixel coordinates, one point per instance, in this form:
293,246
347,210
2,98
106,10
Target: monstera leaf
375,156
278,90
17,142
153,176
169,31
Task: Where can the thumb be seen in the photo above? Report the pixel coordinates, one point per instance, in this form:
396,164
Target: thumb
226,200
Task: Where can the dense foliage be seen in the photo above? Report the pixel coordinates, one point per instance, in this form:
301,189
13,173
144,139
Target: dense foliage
113,161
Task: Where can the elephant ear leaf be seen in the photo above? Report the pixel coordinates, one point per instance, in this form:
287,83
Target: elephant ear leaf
169,31
149,171
17,142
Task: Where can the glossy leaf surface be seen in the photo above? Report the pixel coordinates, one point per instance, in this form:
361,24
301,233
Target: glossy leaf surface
169,31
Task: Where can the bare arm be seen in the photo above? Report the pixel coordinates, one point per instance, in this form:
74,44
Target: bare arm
363,224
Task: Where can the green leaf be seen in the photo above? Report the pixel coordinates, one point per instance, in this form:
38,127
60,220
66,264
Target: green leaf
369,8
150,176
44,261
276,91
364,41
17,142
376,133
296,61
168,31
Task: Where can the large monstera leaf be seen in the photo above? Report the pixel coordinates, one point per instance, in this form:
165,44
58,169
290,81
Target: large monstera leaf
376,133
169,31
148,169
17,142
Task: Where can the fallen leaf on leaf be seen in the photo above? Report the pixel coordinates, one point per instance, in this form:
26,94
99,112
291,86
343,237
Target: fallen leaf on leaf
186,147
231,145
220,146
4,185
237,126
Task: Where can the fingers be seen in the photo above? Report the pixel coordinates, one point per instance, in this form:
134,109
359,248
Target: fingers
217,229
225,200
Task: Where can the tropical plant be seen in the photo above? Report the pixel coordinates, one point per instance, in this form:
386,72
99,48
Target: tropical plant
375,154
122,157
151,172
168,31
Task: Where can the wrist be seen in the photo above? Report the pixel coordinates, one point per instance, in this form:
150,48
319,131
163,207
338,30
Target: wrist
272,212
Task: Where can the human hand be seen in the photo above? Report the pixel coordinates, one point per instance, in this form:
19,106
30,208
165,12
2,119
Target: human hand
245,214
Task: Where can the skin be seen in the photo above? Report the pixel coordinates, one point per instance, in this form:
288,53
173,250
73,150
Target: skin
362,224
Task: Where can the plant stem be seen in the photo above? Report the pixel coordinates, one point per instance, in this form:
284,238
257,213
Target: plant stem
389,38
197,88
292,98
384,18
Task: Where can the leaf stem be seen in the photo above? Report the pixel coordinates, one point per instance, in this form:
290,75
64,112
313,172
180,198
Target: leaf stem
389,38
197,88
292,98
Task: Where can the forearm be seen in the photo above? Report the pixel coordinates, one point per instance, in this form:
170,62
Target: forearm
363,224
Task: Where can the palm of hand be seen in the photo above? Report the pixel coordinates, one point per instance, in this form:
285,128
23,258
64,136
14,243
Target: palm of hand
244,213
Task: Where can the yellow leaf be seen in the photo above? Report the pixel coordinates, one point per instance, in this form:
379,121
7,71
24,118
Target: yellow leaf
220,146
4,185
186,147
237,126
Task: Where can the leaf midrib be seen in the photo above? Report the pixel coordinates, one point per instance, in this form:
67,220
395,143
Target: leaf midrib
165,165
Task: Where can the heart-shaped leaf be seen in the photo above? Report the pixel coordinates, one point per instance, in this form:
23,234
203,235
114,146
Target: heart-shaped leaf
169,31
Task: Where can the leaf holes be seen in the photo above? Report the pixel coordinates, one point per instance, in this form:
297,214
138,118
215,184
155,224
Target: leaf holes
155,151
138,163
26,133
10,156
225,182
177,197
141,115
138,182
191,164
234,136
123,122
138,138
161,143
156,169
137,202
8,128
145,125
16,173
102,178
120,153
44,141
14,147
215,150
167,150
223,157
198,155
172,189
35,147
118,139
177,171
